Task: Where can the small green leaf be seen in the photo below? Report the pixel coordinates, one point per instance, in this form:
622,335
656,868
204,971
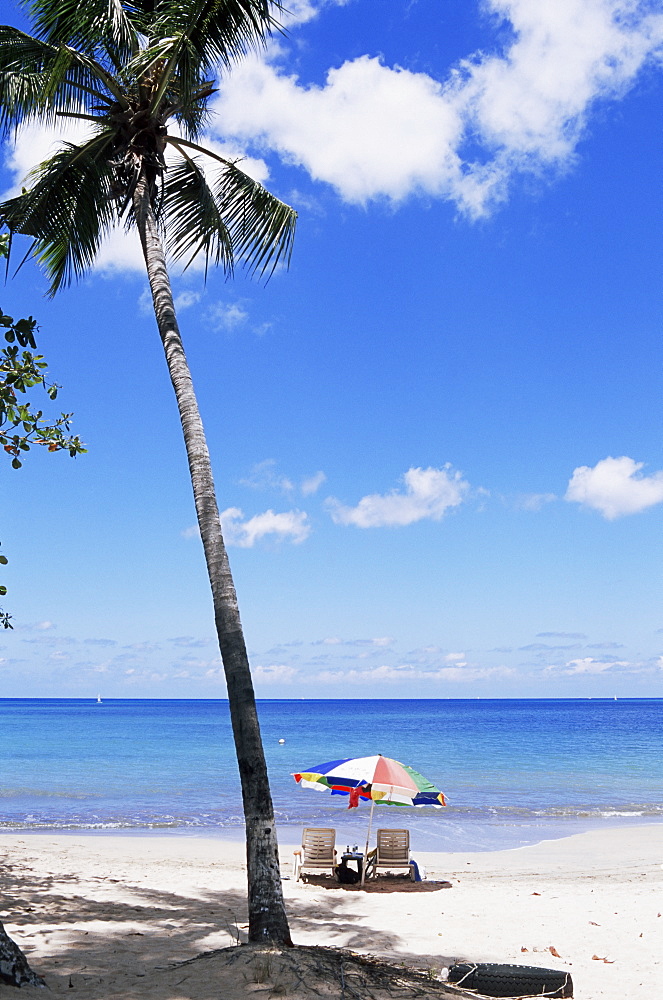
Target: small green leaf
16,464
3,560
25,332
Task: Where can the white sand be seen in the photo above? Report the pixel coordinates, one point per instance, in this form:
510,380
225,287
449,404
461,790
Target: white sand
104,912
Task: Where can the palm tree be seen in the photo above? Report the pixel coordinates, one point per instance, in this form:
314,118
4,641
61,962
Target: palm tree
140,72
14,968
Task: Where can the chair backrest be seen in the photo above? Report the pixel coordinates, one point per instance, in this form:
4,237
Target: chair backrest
318,844
394,846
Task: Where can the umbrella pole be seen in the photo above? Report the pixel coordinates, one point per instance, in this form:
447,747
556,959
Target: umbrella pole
368,838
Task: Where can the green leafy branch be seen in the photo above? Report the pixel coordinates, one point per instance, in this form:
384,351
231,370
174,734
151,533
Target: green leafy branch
20,425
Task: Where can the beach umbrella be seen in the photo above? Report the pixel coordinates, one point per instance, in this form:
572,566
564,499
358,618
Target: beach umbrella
380,780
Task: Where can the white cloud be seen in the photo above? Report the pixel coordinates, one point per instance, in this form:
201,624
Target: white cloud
255,168
292,524
264,476
377,131
186,299
313,483
428,493
379,642
120,252
189,642
192,663
406,672
34,144
588,665
276,674
561,635
614,487
299,11
145,303
534,501
227,316
369,131
183,300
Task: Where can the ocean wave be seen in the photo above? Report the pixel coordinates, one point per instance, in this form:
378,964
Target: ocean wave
492,814
601,812
132,823
42,793
494,817
609,814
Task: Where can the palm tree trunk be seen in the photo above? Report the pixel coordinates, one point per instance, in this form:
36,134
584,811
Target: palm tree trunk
14,968
267,916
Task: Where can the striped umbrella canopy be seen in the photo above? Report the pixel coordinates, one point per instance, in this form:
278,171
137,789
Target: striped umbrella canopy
379,779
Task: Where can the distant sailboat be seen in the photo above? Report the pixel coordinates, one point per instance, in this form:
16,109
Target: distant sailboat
99,701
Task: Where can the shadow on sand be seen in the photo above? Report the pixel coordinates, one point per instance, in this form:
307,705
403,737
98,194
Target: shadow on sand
106,948
383,883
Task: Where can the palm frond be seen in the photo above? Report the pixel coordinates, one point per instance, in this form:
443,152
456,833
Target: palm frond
219,31
195,114
173,77
262,226
25,63
187,41
68,209
83,66
93,27
156,61
37,80
192,221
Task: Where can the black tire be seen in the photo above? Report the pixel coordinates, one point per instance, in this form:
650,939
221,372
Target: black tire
511,980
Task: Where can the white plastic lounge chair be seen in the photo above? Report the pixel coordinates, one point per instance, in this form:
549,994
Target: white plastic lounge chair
317,851
392,851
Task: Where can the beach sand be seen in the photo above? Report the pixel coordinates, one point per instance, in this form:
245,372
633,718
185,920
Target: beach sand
112,916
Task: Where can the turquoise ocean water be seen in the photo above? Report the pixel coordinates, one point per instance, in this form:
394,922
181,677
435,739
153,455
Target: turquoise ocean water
514,772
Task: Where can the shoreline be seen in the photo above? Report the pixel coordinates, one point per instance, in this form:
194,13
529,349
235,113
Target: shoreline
349,828
115,912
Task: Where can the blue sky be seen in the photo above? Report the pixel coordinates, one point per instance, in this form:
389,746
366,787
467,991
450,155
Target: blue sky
436,439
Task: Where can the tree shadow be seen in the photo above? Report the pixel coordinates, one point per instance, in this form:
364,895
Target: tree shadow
381,884
76,938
